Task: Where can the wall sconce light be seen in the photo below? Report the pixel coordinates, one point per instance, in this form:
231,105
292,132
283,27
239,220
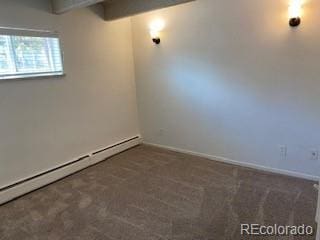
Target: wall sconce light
156,27
295,9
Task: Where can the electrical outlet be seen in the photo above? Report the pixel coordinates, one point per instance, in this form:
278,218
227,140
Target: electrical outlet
314,154
283,152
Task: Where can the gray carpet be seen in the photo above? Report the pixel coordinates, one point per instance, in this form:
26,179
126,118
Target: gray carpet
147,193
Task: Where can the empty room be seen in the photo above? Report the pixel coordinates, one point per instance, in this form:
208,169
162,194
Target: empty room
159,119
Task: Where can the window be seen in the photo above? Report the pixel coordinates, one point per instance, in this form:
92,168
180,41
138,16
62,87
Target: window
29,53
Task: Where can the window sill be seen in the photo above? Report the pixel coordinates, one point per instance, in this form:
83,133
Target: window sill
33,76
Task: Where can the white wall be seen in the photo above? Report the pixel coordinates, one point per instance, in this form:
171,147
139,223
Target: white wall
46,122
231,79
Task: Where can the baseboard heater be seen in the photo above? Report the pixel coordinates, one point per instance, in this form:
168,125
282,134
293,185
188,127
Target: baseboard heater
17,189
318,212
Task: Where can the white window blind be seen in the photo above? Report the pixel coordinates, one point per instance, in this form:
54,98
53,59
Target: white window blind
29,53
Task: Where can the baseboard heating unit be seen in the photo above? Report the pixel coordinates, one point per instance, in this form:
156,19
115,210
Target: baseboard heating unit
17,189
318,213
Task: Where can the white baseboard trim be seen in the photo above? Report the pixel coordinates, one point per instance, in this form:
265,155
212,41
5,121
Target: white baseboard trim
23,187
238,163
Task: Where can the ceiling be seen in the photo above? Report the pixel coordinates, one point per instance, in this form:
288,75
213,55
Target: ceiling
115,9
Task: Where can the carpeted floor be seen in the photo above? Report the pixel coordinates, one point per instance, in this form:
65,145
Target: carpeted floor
147,193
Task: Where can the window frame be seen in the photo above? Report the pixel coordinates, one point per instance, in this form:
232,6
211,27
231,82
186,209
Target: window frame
23,32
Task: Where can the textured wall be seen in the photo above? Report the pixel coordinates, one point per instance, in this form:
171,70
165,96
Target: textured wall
46,122
231,79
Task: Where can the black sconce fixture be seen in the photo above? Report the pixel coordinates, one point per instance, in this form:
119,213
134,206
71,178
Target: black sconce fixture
294,22
156,40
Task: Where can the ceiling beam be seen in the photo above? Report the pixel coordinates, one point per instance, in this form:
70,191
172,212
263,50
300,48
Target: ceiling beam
124,8
62,6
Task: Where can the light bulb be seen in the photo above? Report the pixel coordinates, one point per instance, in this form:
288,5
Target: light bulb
154,34
157,25
295,8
